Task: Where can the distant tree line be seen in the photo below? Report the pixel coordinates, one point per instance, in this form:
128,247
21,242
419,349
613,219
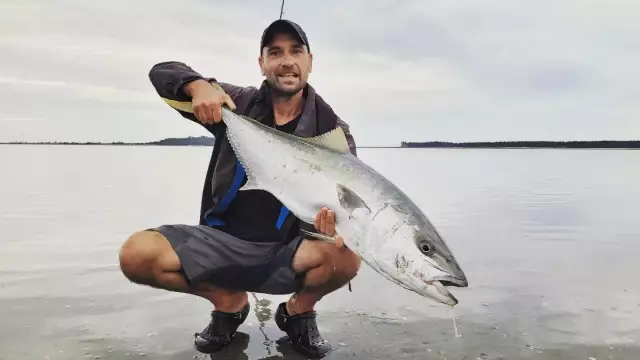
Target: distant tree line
195,141
209,141
603,144
188,141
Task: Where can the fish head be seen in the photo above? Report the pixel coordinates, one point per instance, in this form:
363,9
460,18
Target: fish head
417,258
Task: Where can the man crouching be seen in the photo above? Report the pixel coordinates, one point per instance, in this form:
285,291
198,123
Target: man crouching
247,241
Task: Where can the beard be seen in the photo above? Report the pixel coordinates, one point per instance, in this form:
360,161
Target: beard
284,92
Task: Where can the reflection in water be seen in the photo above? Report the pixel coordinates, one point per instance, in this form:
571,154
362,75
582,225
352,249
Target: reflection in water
236,350
263,314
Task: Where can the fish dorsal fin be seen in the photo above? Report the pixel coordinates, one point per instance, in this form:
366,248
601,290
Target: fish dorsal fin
334,139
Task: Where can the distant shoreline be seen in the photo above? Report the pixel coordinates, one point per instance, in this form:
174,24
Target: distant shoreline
599,144
209,141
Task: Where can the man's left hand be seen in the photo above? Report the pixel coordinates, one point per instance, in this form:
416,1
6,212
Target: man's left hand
325,223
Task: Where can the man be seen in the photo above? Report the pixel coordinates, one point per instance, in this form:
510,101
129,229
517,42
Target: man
247,240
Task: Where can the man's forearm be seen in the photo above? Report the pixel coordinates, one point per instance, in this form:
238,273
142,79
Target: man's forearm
169,79
177,81
194,86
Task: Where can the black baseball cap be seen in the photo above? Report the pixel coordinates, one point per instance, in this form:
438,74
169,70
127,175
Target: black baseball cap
283,26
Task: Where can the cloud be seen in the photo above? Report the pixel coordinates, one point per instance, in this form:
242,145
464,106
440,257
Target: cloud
395,70
81,92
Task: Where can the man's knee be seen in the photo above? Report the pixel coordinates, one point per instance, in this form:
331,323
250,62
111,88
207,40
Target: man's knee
347,263
138,255
312,254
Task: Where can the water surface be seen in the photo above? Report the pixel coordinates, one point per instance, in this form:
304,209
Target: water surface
548,239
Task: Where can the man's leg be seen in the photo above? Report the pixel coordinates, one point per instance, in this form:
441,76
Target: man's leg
148,258
326,268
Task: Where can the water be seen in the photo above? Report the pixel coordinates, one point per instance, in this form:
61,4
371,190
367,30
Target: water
455,327
548,239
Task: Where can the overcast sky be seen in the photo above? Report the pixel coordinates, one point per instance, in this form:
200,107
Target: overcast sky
423,70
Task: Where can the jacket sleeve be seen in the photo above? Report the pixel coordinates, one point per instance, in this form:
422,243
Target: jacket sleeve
169,78
350,140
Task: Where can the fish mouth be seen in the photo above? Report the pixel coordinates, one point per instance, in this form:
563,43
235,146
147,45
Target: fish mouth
442,282
442,289
451,281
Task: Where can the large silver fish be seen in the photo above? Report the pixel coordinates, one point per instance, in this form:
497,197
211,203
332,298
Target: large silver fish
375,218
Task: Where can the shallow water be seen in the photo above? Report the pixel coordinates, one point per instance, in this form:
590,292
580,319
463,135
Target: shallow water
548,239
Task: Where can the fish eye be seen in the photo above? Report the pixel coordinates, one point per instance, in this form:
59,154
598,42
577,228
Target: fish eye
425,247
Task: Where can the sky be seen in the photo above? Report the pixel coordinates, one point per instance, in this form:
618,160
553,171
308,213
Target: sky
402,70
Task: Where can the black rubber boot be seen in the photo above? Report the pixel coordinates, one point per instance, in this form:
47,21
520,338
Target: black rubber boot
302,331
220,330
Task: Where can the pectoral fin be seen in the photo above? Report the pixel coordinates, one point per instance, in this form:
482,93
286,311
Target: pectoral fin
350,201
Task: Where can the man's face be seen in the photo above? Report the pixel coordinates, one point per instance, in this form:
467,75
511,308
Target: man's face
286,64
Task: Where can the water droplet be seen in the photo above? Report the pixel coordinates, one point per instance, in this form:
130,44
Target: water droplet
455,327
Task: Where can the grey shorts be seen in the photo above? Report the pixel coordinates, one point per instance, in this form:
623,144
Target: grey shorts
210,255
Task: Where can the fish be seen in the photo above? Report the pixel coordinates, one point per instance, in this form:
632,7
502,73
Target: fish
375,218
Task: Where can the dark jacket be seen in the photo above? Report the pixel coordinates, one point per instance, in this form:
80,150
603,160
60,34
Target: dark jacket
168,78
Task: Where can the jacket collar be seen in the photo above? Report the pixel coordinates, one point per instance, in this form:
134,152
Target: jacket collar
308,119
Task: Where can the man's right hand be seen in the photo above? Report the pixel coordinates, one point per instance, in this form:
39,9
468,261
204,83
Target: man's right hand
207,100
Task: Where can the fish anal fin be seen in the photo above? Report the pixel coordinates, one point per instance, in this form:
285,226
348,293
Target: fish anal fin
250,185
334,139
350,201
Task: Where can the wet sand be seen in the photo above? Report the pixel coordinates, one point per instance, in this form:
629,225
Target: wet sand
115,320
551,259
